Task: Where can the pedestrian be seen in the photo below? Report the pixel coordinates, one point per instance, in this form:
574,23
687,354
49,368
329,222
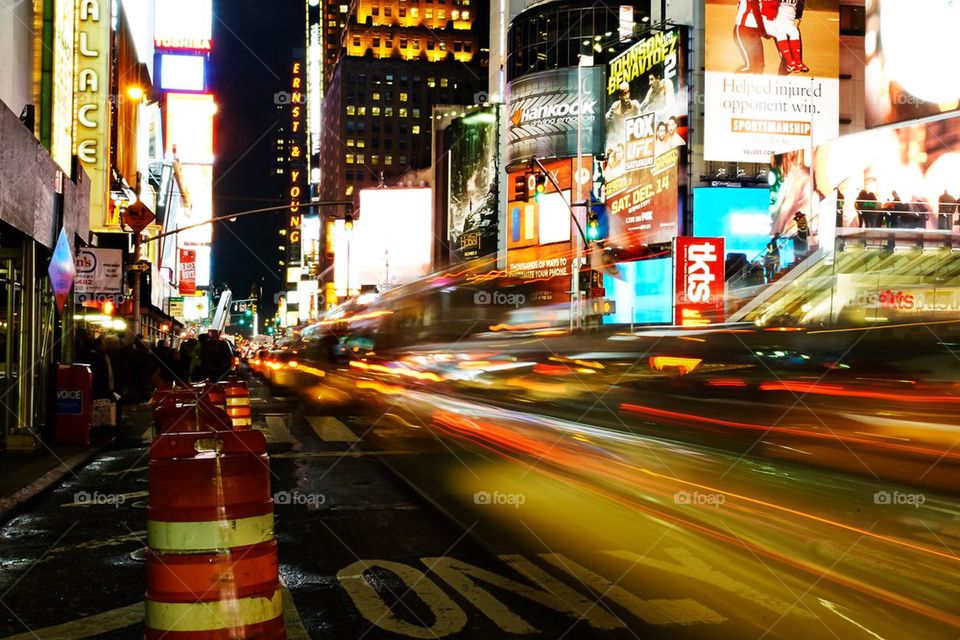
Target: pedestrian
867,207
771,260
800,239
947,208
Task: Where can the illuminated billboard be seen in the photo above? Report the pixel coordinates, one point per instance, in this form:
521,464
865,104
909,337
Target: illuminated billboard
643,292
91,104
472,202
198,180
740,215
699,270
904,44
543,111
899,177
183,24
391,242
189,127
772,77
61,117
646,123
182,72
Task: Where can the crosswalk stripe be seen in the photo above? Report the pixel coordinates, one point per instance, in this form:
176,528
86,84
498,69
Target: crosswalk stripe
331,430
277,430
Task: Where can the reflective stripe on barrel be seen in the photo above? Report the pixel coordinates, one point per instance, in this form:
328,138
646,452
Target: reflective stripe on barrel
238,404
210,535
232,617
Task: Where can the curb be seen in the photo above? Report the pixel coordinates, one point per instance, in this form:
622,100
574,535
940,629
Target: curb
10,504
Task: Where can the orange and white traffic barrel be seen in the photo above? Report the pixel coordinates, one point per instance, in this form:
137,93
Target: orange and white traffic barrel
212,562
238,404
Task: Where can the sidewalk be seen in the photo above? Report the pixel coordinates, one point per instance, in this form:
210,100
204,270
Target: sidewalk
24,476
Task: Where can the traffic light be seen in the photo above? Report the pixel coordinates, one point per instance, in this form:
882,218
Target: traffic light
593,228
248,312
541,184
348,223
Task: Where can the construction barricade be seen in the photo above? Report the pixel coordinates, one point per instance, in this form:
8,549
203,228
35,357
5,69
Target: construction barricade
212,568
238,403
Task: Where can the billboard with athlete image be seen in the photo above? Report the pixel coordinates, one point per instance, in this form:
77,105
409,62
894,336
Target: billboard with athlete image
646,122
772,82
903,45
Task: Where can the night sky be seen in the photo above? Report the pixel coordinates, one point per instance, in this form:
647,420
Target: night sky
253,45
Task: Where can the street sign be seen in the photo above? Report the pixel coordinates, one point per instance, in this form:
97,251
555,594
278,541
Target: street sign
137,216
139,266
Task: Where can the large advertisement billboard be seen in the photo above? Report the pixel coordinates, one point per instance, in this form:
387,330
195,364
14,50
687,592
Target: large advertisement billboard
545,110
740,215
894,177
646,124
189,130
772,77
473,166
906,46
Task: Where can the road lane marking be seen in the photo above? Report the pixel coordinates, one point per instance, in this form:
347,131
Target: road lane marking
332,430
277,431
547,591
448,618
88,626
657,611
291,618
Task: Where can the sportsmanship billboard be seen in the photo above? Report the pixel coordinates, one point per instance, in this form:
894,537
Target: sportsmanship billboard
772,82
903,45
473,165
646,124
544,109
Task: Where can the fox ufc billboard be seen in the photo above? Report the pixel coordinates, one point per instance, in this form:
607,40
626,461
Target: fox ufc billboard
700,275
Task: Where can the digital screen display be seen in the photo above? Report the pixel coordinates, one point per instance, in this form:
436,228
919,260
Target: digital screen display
182,73
554,218
644,295
190,127
740,216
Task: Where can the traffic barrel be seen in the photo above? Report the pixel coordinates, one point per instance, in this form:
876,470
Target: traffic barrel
217,395
238,404
200,416
212,567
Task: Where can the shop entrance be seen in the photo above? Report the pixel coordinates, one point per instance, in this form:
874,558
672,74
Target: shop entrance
11,293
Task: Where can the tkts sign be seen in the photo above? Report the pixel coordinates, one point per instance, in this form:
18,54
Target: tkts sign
699,277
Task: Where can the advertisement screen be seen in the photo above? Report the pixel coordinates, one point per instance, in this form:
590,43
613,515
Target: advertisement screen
472,200
182,73
198,180
699,281
897,177
644,293
646,124
772,82
544,110
392,238
903,45
740,216
183,24
190,127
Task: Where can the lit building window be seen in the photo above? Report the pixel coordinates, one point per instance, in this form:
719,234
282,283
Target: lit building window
416,113
443,83
359,158
375,95
415,129
403,96
349,190
344,8
349,158
403,112
414,12
388,160
431,82
388,112
416,44
362,111
331,23
466,14
374,159
360,143
350,110
441,14
375,111
429,14
455,14
350,142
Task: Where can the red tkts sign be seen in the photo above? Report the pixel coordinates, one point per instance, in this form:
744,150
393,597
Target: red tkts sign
699,281
188,272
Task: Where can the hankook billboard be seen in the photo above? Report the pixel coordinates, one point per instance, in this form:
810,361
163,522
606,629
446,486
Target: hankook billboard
544,110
